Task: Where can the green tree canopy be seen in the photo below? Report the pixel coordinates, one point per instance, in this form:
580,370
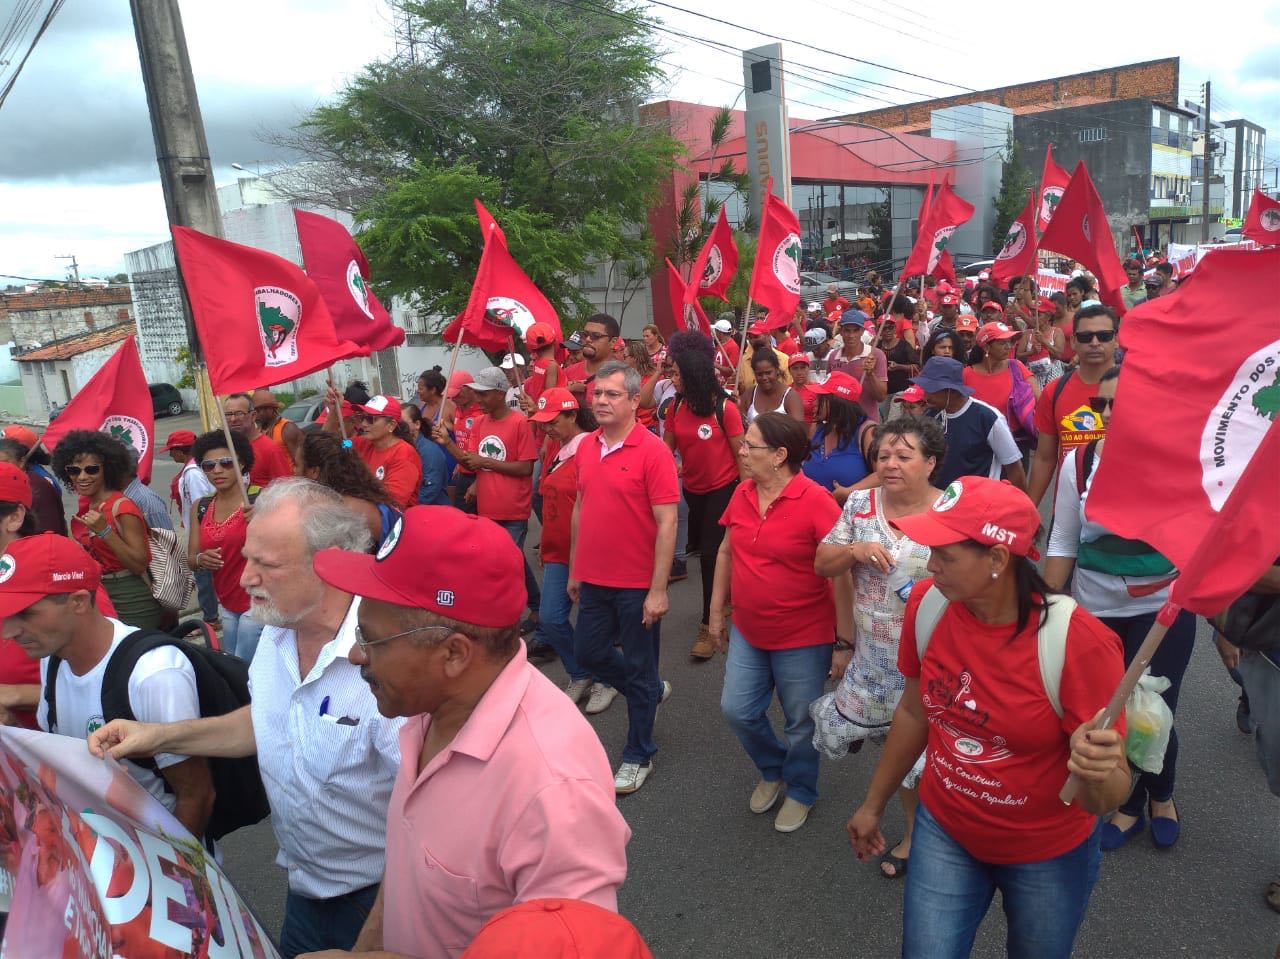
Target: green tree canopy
1016,179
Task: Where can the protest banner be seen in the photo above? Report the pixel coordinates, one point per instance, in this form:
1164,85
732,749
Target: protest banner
93,867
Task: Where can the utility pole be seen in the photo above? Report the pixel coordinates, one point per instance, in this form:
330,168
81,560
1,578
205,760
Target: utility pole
74,267
182,151
1208,166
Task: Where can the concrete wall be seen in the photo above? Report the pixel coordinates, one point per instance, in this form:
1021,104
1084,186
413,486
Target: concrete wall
47,382
980,132
52,315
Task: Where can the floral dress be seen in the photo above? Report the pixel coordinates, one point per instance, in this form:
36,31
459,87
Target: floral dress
862,705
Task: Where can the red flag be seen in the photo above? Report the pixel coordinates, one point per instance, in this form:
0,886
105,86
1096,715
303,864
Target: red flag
775,277
1080,230
1053,183
337,266
504,302
116,400
946,211
261,320
1262,222
1018,255
716,263
945,270
1205,491
681,304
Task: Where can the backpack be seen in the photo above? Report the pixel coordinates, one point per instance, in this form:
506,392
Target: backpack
1113,554
1051,637
1059,385
170,578
1021,409
222,683
203,504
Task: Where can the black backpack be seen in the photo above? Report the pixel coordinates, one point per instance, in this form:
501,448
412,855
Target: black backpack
669,416
222,683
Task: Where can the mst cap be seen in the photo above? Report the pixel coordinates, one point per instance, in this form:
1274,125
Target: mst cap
840,384
996,331
44,565
179,439
381,406
15,487
803,358
560,928
987,511
912,394
16,431
966,323
439,559
552,403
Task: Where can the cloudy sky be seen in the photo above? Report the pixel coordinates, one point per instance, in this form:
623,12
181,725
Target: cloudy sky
77,167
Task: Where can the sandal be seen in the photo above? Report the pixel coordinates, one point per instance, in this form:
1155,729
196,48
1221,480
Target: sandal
1273,894
899,864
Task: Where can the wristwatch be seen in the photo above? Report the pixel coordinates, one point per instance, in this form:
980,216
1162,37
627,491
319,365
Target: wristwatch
843,645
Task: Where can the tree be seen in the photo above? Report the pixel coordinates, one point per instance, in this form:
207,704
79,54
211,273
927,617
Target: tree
531,106
1014,183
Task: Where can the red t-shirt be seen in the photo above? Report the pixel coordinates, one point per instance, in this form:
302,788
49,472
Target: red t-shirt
994,388
508,440
779,602
559,489
727,353
708,459
836,304
536,381
19,669
647,415
464,418
227,536
1068,351
96,545
270,461
809,397
1070,418
617,531
789,344
997,753
398,467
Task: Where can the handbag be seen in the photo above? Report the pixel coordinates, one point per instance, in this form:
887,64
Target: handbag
170,578
1251,622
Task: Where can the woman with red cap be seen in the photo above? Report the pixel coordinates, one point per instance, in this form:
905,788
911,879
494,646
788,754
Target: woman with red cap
993,375
382,442
1042,348
840,451
800,365
1005,684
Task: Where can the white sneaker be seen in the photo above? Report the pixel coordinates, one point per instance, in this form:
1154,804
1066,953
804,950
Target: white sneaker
602,697
630,777
666,692
575,689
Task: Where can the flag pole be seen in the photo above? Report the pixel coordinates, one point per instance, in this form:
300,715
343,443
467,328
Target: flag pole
453,366
342,424
742,346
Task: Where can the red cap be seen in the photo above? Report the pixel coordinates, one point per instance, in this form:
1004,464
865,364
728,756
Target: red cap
563,928
968,322
439,559
382,406
757,328
178,438
949,299
912,394
996,331
1046,305
802,358
15,487
552,403
43,565
457,380
539,335
346,409
840,384
26,437
991,305
986,511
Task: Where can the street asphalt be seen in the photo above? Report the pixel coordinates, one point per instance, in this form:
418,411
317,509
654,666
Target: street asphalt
707,879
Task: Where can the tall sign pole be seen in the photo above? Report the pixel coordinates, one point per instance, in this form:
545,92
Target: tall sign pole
1208,164
768,139
182,152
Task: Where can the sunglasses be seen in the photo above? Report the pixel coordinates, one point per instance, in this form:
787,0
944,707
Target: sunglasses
226,462
74,471
1100,404
1102,336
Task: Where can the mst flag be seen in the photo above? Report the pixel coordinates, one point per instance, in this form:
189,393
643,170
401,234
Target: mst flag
775,277
1053,183
1080,230
685,313
1208,486
1017,257
1262,224
260,318
504,301
945,212
716,263
338,268
116,401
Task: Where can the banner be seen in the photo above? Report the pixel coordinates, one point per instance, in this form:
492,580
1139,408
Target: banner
1185,257
93,867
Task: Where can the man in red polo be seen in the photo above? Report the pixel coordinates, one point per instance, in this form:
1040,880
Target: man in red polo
623,536
270,461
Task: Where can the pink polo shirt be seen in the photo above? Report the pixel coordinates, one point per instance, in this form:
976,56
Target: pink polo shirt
519,806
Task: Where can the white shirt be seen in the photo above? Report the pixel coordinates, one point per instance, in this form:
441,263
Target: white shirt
193,485
162,689
328,782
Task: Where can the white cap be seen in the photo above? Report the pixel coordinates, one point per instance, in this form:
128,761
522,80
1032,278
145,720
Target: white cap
511,361
815,307
723,326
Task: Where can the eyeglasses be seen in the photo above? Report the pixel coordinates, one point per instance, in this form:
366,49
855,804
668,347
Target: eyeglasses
363,644
757,446
234,414
1100,404
226,462
595,336
74,471
1102,336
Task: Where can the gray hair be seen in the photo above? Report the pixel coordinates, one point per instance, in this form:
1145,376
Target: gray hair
630,378
327,522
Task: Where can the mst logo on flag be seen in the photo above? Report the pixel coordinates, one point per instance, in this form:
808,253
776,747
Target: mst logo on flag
279,315
128,431
786,262
506,311
358,288
1049,202
1270,220
941,240
1015,241
1248,406
715,266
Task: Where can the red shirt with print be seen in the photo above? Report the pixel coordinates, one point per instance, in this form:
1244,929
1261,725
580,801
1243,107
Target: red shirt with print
464,418
997,752
779,602
509,440
1070,418
835,304
398,467
227,536
705,453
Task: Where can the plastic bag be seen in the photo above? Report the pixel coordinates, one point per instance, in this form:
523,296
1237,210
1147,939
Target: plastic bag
1149,720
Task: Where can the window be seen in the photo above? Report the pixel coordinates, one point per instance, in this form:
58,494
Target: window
1094,135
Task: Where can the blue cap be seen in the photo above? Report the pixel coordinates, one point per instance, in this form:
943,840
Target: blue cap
854,318
942,373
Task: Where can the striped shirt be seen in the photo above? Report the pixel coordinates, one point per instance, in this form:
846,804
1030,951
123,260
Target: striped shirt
328,782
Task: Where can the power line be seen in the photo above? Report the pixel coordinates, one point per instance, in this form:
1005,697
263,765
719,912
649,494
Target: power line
44,25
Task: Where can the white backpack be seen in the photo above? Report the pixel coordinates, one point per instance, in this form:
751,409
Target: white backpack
1051,637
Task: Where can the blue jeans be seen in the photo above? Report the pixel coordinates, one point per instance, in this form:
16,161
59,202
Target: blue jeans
313,925
208,598
949,892
606,614
554,627
240,634
519,529
751,675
